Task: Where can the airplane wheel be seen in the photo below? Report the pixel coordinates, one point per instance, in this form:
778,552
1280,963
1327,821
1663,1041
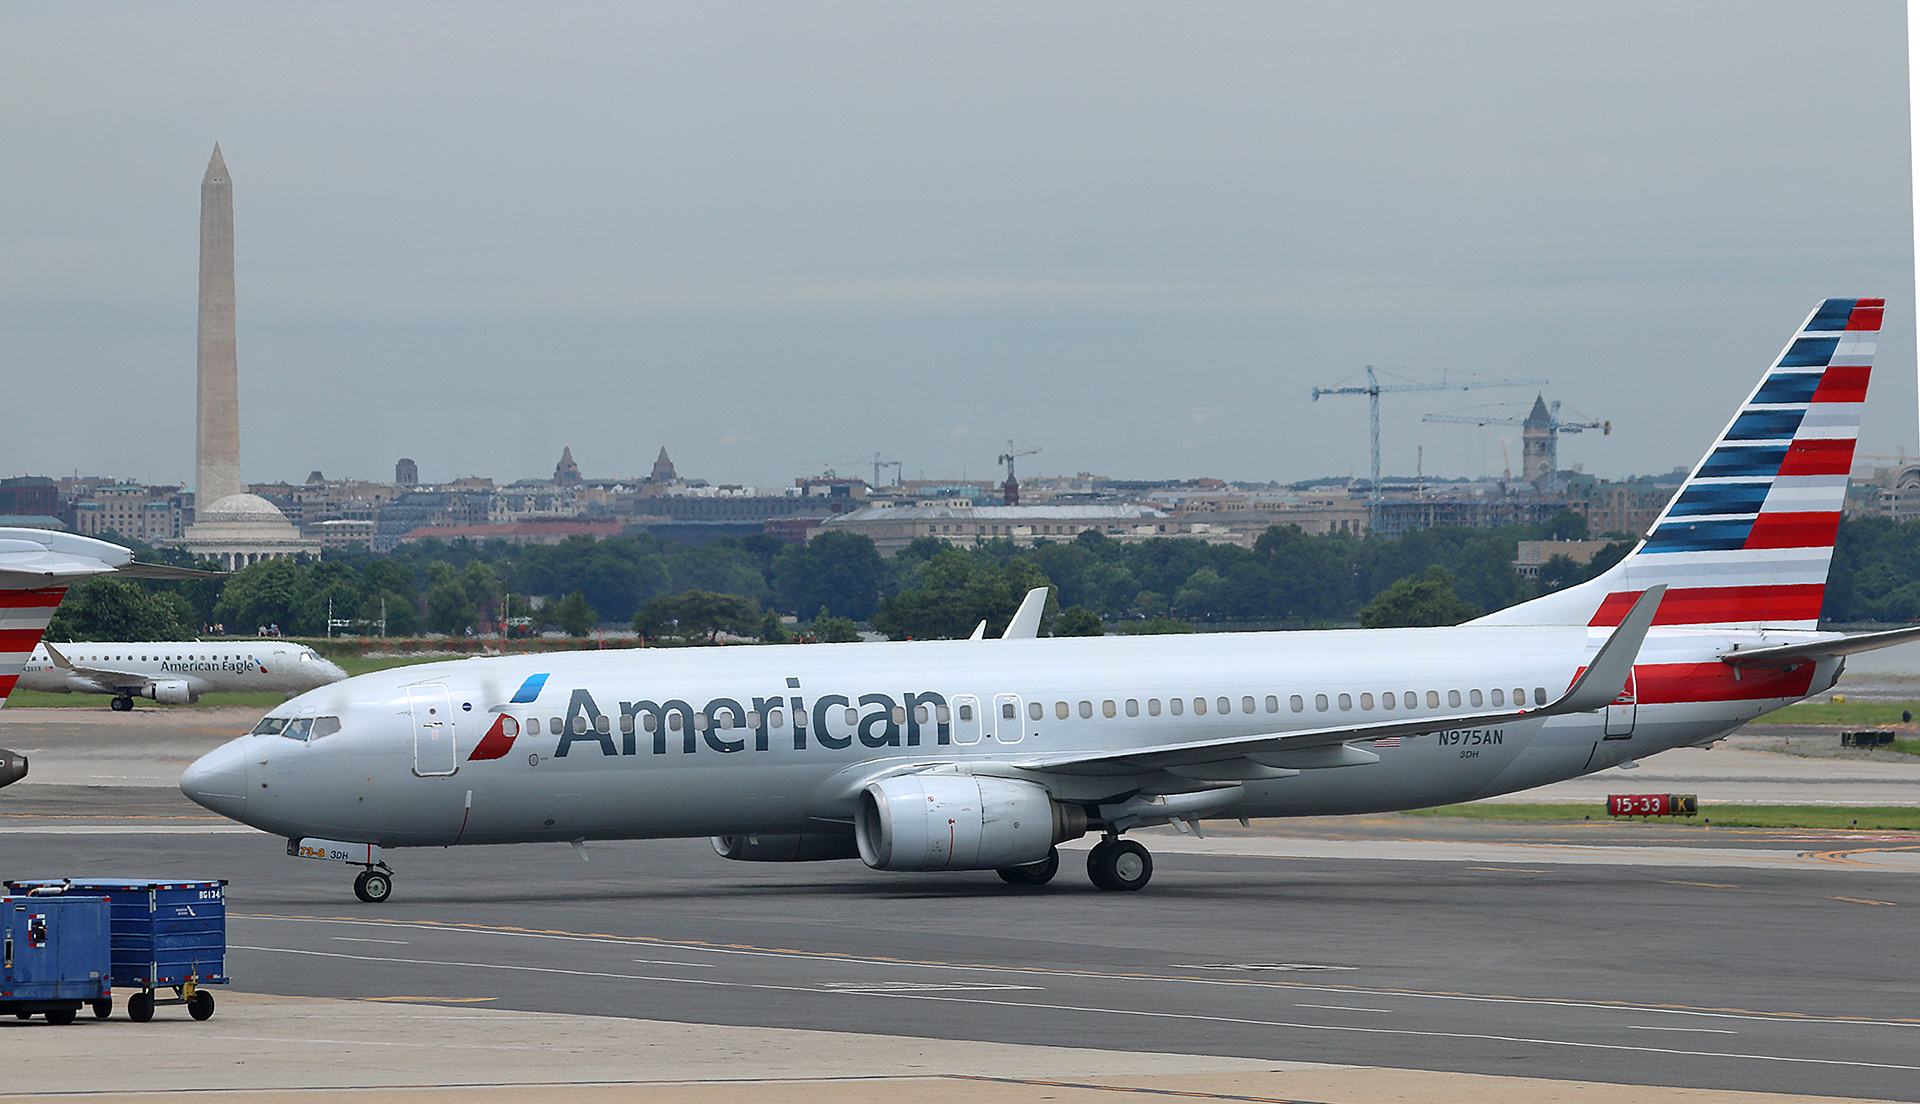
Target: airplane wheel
103,1008
61,1017
200,1005
140,1007
1033,874
122,705
373,886
1119,865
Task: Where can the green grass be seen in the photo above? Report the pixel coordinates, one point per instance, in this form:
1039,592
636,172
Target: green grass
1878,818
1842,714
34,699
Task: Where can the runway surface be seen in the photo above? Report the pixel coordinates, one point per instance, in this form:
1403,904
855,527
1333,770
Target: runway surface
1418,958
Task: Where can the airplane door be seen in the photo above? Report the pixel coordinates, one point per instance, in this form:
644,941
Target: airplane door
1620,713
433,751
1009,728
966,719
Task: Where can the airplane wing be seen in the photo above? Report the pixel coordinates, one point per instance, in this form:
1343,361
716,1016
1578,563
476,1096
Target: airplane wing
1793,655
107,677
1597,686
138,570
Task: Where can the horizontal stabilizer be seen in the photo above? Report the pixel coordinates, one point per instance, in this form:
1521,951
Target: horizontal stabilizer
1783,656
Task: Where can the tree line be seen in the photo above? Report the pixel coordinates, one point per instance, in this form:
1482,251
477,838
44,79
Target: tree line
931,589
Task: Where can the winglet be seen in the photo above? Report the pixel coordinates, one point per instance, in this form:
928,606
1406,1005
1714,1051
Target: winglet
1026,620
58,659
979,631
1601,682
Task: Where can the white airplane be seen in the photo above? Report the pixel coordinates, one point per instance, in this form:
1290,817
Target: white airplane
36,568
987,754
174,673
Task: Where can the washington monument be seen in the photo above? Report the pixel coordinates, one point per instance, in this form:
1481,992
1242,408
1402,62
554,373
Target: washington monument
217,454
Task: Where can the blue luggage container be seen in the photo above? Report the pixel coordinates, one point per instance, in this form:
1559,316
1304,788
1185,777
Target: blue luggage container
170,934
54,957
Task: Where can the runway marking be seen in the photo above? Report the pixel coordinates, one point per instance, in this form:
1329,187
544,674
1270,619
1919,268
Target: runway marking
1297,986
1860,900
1697,1030
1342,1008
1182,1093
669,962
1282,967
1100,1010
431,1000
358,939
1708,885
1512,870
914,987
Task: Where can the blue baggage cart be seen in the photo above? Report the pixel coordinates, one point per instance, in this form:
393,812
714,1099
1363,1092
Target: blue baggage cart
165,935
54,957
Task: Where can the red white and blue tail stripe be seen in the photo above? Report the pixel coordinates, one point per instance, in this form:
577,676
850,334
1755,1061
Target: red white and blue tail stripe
36,567
1748,540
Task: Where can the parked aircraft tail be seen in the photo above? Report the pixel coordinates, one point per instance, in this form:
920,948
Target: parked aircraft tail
1748,540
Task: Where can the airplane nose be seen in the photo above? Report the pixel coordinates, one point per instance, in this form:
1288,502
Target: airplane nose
218,779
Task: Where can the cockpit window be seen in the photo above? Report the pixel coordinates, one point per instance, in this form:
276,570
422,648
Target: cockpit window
324,726
298,729
269,726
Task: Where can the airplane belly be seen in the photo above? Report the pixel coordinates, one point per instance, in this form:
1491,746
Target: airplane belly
1439,768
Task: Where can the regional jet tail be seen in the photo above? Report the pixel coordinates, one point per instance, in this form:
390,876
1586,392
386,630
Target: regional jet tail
176,672
970,755
36,568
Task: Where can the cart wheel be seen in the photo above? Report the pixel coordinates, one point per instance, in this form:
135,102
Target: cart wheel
61,1017
140,1007
103,1008
373,886
200,1005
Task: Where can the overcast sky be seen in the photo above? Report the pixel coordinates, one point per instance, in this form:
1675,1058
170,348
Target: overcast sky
781,238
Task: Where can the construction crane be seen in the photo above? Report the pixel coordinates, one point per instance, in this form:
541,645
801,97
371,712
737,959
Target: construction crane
1011,488
1552,423
1373,390
878,463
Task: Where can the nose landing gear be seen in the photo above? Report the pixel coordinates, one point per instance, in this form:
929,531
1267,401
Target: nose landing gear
373,885
1119,864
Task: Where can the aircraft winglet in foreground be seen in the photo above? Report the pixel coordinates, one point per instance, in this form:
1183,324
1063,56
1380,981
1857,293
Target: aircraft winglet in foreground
984,755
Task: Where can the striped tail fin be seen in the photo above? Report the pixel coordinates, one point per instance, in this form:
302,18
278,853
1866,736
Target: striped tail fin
1748,540
36,567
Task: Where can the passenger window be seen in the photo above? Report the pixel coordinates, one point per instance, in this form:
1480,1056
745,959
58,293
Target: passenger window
1133,707
1224,706
1106,708
1433,699
1175,706
1246,704
1199,707
298,729
556,726
1453,699
723,720
626,724
1499,697
1273,704
966,712
1061,710
1294,703
269,726
1086,710
920,714
1320,702
533,726
1473,698
327,726
853,715
940,714
1153,707
753,719
1387,700
1346,702
799,718
673,721
1366,701
1411,700
899,714
776,718
650,722
1035,711
602,725
1519,696
1539,695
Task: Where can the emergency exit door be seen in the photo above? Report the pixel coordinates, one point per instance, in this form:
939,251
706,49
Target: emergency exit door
433,750
1620,713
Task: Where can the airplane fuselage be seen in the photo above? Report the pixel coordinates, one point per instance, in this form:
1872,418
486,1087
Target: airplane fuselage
698,742
175,671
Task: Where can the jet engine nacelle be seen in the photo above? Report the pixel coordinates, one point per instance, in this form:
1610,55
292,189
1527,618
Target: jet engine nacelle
168,691
960,822
13,767
808,847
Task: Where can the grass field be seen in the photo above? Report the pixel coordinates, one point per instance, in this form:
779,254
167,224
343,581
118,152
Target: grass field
1878,818
1842,714
352,665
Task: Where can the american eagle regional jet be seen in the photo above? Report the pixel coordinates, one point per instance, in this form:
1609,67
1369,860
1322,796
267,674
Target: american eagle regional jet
174,672
987,754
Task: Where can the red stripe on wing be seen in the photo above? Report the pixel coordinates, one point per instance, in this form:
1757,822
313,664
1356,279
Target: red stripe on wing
1721,605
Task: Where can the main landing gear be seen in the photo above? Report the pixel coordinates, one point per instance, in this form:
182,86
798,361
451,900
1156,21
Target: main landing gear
1032,874
1119,864
122,704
